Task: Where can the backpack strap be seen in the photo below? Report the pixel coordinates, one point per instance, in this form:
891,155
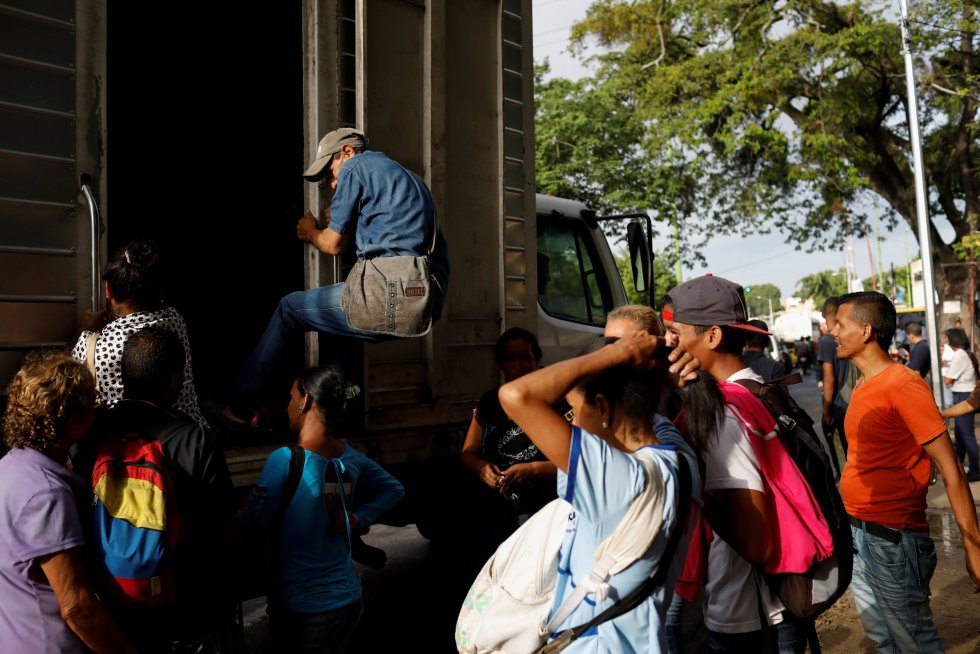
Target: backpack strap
650,584
297,461
90,342
619,550
338,467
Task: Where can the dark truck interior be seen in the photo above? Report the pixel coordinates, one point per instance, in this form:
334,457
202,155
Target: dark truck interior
205,154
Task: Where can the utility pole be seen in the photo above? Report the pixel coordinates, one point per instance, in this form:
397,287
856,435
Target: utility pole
925,241
677,243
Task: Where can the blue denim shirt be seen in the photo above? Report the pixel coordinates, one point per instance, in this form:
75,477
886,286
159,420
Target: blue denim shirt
391,212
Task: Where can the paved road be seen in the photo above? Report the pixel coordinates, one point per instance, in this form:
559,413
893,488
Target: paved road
413,601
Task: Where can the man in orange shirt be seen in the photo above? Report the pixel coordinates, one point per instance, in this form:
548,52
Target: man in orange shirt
893,427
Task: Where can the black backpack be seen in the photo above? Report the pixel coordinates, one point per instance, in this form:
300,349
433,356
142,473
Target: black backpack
808,594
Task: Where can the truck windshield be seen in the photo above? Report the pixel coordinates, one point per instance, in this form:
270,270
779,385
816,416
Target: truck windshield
571,285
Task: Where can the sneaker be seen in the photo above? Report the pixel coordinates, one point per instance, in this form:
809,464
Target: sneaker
973,476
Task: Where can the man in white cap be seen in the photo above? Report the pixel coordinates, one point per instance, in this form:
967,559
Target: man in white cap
390,212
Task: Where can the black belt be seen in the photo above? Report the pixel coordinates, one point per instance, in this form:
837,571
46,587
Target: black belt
881,531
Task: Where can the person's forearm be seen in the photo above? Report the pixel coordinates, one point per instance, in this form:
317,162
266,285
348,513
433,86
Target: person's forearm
550,384
828,387
543,469
959,409
472,461
92,623
963,506
324,243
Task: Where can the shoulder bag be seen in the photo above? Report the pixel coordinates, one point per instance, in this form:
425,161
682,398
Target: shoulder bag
391,296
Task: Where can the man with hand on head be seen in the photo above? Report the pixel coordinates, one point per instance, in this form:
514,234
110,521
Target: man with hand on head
708,316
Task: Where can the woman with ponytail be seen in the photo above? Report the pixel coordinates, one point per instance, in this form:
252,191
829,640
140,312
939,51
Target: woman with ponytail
134,291
314,601
960,378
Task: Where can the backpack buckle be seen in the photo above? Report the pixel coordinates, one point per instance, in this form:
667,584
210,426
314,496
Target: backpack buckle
787,423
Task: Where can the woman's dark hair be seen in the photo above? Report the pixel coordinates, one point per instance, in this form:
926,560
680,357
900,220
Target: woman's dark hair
957,338
704,408
638,391
136,275
516,334
331,391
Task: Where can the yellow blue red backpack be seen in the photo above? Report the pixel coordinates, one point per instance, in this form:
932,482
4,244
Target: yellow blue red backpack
136,526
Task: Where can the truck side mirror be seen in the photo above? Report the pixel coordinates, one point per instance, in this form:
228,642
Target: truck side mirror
640,258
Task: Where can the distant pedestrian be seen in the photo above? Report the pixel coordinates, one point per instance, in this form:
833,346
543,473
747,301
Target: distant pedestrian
838,382
961,378
920,359
894,429
755,355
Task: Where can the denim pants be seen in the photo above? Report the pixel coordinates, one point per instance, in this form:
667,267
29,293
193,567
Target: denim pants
327,633
890,587
966,437
317,309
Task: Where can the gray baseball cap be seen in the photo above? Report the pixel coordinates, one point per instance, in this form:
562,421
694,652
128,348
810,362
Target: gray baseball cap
710,300
331,145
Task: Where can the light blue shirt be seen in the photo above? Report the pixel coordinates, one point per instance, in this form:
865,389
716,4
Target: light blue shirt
315,571
601,483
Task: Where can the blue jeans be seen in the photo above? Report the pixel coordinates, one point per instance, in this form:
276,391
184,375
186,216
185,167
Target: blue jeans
794,634
327,633
317,309
966,437
890,586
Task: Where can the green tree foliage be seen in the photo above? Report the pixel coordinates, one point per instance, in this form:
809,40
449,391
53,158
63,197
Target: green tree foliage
757,296
663,279
822,285
772,114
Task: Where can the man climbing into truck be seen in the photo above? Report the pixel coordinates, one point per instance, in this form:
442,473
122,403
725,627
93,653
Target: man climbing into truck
388,211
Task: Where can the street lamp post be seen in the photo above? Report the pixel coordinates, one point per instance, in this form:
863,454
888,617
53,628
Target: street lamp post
925,241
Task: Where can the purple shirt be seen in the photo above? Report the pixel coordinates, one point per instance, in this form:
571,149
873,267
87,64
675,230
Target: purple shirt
38,516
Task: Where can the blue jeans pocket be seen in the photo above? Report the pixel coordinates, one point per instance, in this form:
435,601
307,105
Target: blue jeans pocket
887,556
926,560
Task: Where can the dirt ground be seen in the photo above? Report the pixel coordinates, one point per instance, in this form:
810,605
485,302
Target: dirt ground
955,607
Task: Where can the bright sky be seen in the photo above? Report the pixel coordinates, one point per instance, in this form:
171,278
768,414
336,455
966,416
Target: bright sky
759,260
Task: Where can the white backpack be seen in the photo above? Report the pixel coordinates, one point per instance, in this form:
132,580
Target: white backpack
506,609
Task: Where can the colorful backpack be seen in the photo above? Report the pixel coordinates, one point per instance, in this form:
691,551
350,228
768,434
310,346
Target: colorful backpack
136,526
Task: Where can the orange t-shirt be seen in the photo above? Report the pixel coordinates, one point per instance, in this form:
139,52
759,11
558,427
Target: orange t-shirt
890,417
